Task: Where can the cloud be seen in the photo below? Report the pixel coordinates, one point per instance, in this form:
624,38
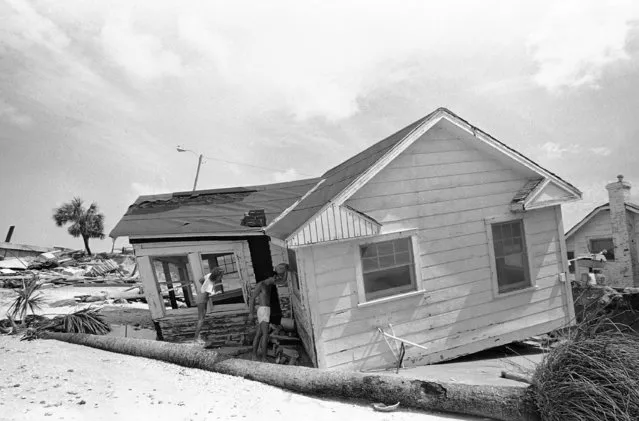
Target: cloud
323,60
142,55
15,117
556,151
288,175
579,39
601,150
143,189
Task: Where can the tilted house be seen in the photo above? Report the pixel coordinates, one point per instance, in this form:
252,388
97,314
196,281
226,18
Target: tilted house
438,235
178,237
610,228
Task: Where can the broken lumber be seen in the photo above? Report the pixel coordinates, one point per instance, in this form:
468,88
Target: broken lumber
504,403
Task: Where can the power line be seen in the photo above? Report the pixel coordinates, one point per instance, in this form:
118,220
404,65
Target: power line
249,165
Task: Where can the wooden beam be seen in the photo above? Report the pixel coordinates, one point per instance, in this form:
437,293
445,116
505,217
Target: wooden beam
151,288
169,284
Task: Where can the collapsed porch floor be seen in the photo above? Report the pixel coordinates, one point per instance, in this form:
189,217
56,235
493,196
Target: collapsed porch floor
484,367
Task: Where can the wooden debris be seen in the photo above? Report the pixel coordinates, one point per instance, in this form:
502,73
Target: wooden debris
385,408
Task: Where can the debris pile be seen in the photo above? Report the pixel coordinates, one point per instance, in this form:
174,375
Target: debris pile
69,268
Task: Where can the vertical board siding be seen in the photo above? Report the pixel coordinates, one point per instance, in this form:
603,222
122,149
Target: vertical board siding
445,189
334,223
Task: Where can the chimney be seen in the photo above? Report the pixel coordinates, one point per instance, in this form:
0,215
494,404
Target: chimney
626,273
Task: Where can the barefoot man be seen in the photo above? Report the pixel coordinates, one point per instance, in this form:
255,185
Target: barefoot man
262,294
212,284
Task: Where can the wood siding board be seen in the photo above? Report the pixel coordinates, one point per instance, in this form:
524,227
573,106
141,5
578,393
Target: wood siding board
429,246
429,171
562,255
438,325
416,159
387,359
421,198
378,187
439,220
455,336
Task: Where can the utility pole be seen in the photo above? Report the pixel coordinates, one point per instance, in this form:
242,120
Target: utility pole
197,173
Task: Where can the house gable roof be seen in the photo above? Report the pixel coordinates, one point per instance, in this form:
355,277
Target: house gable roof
343,181
208,212
631,207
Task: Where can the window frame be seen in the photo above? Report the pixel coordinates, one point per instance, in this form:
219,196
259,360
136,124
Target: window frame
193,250
216,308
600,238
415,266
489,222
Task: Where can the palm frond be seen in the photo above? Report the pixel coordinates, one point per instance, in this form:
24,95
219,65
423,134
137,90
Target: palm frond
85,321
28,299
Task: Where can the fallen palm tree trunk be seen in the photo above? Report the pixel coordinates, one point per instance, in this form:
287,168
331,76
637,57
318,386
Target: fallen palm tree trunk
501,403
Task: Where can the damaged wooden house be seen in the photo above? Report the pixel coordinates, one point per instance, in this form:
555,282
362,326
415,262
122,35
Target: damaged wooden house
178,237
439,237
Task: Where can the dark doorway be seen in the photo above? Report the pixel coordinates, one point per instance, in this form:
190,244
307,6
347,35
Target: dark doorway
260,249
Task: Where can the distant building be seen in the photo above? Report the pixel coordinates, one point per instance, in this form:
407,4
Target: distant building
9,250
611,227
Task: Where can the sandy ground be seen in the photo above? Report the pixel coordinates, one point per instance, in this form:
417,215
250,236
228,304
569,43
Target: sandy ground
53,380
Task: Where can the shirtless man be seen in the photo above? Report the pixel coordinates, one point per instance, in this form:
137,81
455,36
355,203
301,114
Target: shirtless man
211,285
262,294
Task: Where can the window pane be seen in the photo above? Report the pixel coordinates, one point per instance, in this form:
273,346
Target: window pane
388,282
402,258
386,261
496,232
369,250
516,228
369,264
402,244
499,248
506,231
385,249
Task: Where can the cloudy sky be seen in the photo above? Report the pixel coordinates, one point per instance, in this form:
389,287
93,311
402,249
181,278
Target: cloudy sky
95,95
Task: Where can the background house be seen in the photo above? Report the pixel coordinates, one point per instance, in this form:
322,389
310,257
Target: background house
611,227
439,235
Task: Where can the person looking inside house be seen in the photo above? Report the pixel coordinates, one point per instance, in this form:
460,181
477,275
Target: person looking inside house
212,285
262,294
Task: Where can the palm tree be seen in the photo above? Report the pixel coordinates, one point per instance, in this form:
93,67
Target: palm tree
85,222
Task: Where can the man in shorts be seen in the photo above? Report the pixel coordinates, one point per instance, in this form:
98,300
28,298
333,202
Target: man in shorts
212,285
262,294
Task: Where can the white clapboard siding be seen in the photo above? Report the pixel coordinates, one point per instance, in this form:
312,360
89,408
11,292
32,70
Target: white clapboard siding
444,189
334,223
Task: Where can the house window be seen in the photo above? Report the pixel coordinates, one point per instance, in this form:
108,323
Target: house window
387,268
600,244
511,259
175,280
571,262
232,292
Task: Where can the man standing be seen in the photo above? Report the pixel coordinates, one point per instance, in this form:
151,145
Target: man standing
211,286
262,294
